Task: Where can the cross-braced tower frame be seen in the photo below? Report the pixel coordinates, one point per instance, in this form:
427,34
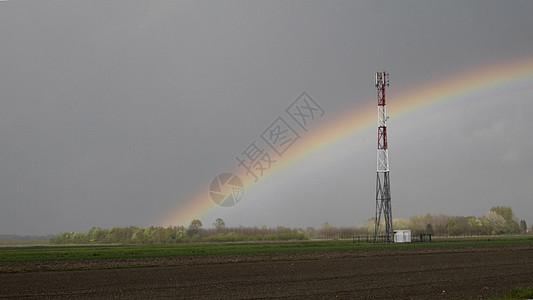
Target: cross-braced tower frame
383,198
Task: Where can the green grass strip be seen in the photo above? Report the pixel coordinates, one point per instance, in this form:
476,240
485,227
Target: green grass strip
517,293
48,253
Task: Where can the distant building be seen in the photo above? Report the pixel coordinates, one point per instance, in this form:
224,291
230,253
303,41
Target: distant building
402,236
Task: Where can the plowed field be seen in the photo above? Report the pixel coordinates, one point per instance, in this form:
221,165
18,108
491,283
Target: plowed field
432,273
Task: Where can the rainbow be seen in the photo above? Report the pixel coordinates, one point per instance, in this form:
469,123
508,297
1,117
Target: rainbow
357,119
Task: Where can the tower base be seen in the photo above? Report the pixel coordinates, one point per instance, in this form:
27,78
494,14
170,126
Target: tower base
383,206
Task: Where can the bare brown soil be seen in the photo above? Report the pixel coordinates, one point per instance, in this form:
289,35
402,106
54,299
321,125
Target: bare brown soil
441,273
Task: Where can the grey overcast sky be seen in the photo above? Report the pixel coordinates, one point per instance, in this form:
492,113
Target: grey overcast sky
113,113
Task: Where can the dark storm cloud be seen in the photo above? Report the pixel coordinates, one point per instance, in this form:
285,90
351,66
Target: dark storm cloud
113,112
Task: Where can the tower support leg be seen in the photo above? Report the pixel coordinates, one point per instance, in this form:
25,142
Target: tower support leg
383,207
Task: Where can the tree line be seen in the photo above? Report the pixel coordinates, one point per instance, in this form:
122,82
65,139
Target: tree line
499,220
195,232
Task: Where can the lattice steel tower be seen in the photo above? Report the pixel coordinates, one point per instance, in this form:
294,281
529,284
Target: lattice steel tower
383,199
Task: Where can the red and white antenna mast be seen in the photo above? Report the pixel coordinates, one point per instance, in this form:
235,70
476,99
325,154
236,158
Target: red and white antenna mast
383,198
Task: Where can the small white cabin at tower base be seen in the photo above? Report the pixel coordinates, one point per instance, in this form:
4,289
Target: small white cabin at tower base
402,236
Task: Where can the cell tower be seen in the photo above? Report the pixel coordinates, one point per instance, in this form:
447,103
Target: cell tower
383,199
